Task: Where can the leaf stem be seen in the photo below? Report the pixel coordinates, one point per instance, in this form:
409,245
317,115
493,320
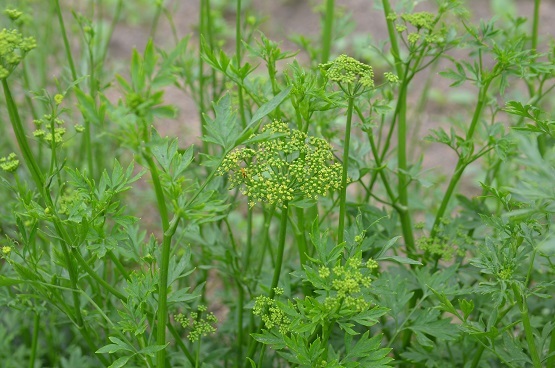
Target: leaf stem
402,167
327,31
238,40
343,192
522,305
461,163
164,259
34,343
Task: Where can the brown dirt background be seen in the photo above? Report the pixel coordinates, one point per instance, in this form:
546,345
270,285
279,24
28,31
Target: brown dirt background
286,17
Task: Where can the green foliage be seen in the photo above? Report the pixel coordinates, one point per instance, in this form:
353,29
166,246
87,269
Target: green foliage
122,245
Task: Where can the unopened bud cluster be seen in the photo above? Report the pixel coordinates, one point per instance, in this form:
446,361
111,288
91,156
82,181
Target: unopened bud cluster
281,169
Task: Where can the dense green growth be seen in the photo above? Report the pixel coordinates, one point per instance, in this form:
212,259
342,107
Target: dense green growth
304,229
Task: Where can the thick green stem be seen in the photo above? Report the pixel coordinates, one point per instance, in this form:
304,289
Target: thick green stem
275,279
238,40
536,24
327,31
280,250
402,168
551,360
528,330
393,38
343,192
164,260
301,239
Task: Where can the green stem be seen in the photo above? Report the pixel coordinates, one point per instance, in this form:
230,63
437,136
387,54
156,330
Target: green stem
280,250
69,57
34,342
301,243
343,192
240,306
393,39
19,132
113,24
536,24
38,178
77,255
477,356
461,163
381,171
238,39
275,279
406,223
164,260
327,31
522,305
551,360
201,76
159,8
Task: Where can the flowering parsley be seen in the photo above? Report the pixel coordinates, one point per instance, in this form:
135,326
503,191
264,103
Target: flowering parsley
13,48
290,166
10,163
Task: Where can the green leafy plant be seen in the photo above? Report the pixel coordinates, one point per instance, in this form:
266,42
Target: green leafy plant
304,227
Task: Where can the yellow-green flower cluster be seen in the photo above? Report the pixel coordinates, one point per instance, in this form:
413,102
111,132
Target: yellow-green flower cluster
271,314
348,280
198,327
13,14
279,170
348,71
10,163
391,78
46,133
423,22
13,48
420,20
445,245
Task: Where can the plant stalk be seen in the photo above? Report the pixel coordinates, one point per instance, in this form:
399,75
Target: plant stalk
461,163
343,192
528,330
327,31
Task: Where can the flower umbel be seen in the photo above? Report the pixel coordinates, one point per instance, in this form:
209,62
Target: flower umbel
13,48
10,163
278,170
198,327
351,75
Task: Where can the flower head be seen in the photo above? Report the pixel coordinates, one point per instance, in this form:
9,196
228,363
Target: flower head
420,20
13,48
10,163
347,71
289,166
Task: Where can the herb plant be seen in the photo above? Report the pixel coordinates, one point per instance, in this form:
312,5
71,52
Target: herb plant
303,228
